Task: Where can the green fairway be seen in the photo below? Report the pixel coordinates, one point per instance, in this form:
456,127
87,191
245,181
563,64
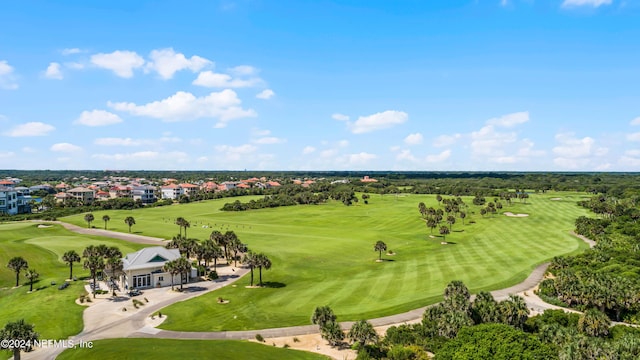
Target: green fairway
157,349
323,255
53,312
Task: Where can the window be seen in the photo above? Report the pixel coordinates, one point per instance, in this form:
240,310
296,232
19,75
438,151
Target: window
160,278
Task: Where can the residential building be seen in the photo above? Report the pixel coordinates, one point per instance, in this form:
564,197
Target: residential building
144,268
366,178
189,189
120,191
171,191
83,194
145,193
8,200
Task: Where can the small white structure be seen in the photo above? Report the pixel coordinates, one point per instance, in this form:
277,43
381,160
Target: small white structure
143,268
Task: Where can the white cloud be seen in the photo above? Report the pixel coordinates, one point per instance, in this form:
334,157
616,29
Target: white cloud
7,78
378,121
489,142
308,150
340,117
634,137
413,139
29,150
360,158
118,142
328,153
343,143
235,153
166,62
7,154
265,94
97,118
259,132
439,157
630,161
210,79
65,147
140,155
446,140
202,159
122,63
635,122
269,140
575,153
510,120
30,129
592,3
182,106
406,155
243,70
71,51
53,71
74,65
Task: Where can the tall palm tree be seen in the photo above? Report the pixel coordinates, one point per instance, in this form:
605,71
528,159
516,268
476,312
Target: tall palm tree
219,239
423,209
250,260
184,268
322,315
32,276
106,219
451,220
363,332
180,221
236,247
20,334
212,252
431,224
462,215
514,311
380,246
172,269
444,231
484,309
17,264
89,218
95,264
130,221
262,261
185,225
230,237
70,257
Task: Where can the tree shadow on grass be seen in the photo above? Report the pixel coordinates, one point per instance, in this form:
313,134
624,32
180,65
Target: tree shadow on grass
194,289
273,284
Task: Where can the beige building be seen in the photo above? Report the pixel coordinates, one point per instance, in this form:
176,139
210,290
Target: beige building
143,268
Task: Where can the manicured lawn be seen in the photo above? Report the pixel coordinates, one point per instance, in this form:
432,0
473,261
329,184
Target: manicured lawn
52,311
157,349
323,255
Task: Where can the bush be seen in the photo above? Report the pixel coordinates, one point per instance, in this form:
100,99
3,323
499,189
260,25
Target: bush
259,338
295,339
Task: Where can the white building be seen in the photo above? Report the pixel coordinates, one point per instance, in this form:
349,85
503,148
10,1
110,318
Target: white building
8,200
144,193
172,191
143,268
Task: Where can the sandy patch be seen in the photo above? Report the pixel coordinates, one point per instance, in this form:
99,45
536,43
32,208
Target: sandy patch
555,199
510,214
443,243
432,236
43,226
313,343
379,260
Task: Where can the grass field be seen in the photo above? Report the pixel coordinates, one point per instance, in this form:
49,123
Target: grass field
53,311
158,349
323,255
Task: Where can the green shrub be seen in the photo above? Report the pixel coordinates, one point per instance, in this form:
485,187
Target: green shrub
259,338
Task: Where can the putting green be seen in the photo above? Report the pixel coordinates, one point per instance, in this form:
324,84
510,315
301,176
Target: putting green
53,312
323,255
158,349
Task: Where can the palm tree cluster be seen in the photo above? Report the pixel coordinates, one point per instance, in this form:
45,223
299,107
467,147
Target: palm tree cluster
457,311
180,266
18,264
452,209
256,260
98,258
330,329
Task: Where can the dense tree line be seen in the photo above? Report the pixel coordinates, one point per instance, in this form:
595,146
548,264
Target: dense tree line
277,200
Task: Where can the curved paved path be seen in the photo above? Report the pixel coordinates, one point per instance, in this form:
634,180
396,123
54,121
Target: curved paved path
134,325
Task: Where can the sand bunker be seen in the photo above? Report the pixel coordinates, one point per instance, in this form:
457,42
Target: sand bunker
515,215
556,199
43,226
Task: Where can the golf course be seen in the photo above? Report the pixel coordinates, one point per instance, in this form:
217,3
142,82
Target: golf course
324,255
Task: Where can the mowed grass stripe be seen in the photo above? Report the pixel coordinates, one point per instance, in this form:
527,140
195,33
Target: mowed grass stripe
324,256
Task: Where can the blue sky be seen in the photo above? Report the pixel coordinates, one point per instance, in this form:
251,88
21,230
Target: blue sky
517,85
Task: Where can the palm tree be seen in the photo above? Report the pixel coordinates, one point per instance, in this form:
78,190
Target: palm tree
444,231
451,220
250,260
362,332
439,199
17,264
106,219
262,261
94,263
484,309
462,216
220,240
171,268
237,246
211,252
423,209
70,257
380,246
483,212
230,237
20,334
431,224
89,218
130,221
514,311
322,315
332,332
32,276
113,257
186,225
180,221
184,268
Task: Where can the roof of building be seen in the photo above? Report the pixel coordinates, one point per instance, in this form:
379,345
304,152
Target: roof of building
79,189
149,257
6,182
